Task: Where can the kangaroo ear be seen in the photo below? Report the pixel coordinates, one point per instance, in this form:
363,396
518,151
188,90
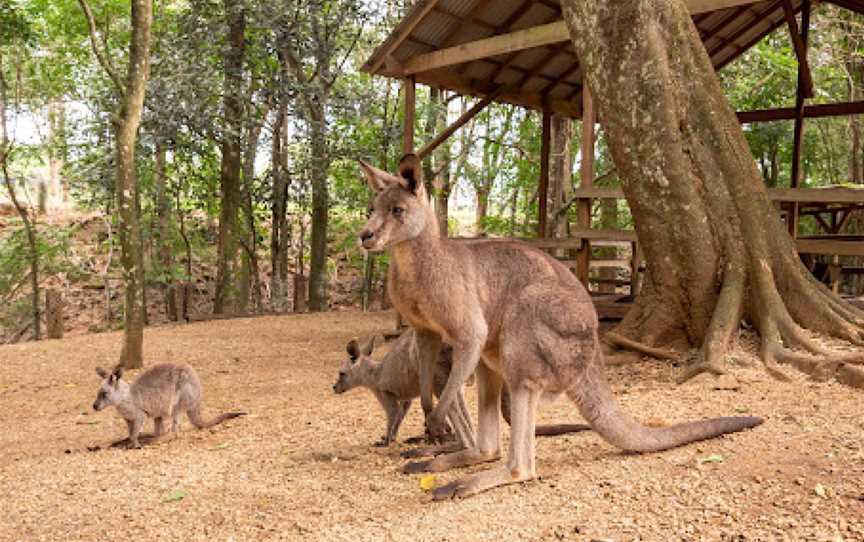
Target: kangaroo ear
411,170
369,347
117,373
377,179
101,372
353,349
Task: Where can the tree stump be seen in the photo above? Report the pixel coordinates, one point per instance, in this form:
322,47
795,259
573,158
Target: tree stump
54,314
300,293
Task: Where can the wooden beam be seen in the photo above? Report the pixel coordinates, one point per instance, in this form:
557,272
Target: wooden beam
543,189
458,123
410,23
810,111
837,194
586,172
799,109
824,246
409,85
744,29
496,45
528,38
798,42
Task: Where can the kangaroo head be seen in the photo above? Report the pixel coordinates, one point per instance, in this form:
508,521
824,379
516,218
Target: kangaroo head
401,210
113,389
357,368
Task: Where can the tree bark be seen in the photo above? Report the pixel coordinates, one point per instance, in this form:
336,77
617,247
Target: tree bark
280,236
715,248
125,127
560,178
23,212
318,298
162,233
227,290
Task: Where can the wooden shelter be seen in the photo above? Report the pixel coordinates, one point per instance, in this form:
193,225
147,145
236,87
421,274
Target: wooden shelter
519,52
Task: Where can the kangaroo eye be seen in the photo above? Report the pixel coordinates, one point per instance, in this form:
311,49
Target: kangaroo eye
397,211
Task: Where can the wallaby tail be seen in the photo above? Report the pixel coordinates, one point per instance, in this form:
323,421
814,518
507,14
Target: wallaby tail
199,422
598,406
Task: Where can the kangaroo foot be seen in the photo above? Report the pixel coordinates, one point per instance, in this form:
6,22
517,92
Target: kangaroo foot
463,458
415,440
477,483
427,451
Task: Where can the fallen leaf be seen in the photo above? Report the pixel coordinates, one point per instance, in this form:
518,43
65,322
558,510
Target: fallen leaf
70,385
87,422
221,446
820,490
174,496
713,458
427,483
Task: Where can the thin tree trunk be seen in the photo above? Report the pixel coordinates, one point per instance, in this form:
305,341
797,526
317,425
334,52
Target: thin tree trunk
318,298
23,212
560,181
162,232
281,236
696,195
227,290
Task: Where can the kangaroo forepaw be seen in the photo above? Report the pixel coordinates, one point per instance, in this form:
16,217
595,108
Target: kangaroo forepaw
416,467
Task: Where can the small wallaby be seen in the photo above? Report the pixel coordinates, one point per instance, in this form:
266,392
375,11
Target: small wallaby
161,391
395,382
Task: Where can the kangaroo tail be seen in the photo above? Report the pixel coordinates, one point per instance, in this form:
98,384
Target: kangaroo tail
598,406
199,422
560,429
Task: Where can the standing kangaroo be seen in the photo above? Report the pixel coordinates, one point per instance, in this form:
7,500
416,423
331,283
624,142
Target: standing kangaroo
395,382
520,310
161,391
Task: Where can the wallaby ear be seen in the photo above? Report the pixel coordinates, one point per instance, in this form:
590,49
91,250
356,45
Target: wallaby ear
411,170
117,373
378,179
101,372
353,349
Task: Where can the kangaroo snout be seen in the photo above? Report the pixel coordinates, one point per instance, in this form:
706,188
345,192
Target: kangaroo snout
366,238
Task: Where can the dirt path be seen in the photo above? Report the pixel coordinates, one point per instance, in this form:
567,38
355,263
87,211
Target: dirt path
301,465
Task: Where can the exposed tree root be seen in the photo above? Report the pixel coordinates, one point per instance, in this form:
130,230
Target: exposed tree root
620,341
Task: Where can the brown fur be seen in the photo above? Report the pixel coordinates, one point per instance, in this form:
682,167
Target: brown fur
519,310
395,382
161,391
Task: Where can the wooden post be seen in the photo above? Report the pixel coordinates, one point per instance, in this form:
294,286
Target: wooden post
54,314
300,287
543,182
583,257
792,221
408,123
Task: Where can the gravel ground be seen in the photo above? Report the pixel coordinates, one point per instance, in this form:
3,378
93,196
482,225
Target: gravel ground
301,464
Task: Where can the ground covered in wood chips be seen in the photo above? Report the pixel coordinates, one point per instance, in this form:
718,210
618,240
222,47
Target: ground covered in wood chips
301,465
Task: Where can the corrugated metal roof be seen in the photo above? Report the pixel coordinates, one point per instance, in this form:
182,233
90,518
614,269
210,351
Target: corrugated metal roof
549,73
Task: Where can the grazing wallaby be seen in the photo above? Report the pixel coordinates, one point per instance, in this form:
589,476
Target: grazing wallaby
395,381
161,391
520,310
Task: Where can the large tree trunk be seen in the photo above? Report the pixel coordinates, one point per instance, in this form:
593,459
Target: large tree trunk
715,248
856,157
227,291
129,230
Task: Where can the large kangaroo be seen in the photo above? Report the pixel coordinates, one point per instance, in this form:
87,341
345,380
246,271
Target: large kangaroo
395,382
521,311
161,391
